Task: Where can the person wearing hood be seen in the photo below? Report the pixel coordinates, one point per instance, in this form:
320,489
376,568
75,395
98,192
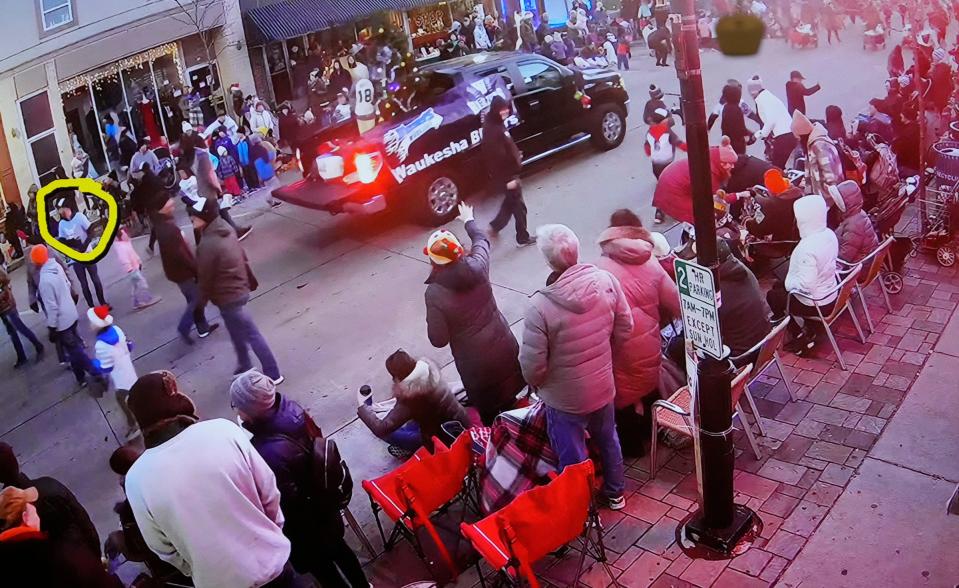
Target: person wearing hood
856,234
226,280
461,312
570,333
112,357
504,162
775,122
61,312
811,275
285,435
651,294
673,194
422,397
228,534
823,165
733,121
14,324
28,555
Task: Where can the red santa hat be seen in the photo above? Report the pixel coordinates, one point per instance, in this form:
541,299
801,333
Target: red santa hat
100,317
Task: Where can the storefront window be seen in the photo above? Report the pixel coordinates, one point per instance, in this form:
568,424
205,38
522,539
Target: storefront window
82,126
428,25
167,78
38,126
279,76
204,81
139,89
114,117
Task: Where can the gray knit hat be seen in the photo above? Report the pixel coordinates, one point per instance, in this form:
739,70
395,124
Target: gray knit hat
655,92
754,84
252,393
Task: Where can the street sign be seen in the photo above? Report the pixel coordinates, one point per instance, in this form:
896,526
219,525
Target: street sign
697,295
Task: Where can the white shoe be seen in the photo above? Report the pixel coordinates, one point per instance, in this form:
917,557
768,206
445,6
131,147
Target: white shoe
279,380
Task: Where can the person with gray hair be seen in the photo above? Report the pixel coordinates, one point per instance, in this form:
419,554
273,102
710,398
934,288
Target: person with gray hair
569,334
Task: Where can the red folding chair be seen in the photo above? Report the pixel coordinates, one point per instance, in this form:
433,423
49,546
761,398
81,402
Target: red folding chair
424,484
538,522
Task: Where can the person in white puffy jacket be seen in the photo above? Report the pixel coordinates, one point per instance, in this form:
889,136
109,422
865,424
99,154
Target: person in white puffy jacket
112,358
812,272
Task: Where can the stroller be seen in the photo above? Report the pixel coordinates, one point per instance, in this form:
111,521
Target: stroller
885,217
803,36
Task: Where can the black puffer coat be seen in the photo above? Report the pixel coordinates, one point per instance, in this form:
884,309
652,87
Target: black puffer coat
857,237
744,314
461,312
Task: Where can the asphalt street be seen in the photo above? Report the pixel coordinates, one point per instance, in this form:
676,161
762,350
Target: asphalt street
339,294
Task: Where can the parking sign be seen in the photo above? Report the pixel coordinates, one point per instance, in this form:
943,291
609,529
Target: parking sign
697,294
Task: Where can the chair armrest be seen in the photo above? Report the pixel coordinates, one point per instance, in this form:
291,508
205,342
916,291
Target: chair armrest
670,407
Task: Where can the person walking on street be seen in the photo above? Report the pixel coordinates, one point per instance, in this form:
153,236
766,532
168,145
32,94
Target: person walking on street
14,324
202,496
504,162
312,491
569,334
796,92
61,312
112,356
225,279
73,230
775,122
654,103
179,266
16,220
461,312
823,165
132,266
650,292
660,43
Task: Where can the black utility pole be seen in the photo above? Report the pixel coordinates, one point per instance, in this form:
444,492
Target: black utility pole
720,523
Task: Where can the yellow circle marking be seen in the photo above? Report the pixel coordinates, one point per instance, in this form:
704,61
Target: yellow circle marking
86,186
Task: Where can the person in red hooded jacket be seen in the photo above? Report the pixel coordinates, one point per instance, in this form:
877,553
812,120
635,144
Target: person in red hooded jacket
673,194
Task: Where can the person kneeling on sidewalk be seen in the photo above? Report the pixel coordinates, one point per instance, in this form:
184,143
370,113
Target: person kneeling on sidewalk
423,403
569,334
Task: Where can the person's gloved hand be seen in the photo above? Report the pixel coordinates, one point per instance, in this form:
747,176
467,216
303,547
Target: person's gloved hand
34,307
364,396
52,334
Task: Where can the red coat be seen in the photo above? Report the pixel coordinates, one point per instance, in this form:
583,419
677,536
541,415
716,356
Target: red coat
674,191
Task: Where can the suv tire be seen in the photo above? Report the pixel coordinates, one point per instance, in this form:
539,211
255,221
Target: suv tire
436,198
609,126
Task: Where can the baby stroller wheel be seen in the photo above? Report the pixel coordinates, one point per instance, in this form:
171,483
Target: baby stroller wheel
892,282
946,256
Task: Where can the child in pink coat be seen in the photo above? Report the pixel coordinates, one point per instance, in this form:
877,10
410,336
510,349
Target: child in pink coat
132,266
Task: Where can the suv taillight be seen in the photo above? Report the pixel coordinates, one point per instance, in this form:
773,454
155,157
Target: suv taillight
368,166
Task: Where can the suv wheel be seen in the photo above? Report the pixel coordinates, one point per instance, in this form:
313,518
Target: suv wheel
439,197
609,127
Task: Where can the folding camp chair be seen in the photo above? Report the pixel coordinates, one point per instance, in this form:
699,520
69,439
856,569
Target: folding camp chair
843,292
767,353
675,414
538,522
424,484
872,268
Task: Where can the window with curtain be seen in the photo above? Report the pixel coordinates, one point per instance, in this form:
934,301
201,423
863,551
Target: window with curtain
55,13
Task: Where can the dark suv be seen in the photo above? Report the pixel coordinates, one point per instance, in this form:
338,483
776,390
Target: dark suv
427,159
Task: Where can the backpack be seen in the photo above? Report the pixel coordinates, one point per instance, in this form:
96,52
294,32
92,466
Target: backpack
332,482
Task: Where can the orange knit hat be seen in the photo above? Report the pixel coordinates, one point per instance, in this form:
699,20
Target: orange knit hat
39,254
775,182
443,247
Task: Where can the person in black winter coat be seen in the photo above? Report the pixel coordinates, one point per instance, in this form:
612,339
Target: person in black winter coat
661,44
504,162
733,123
796,93
179,266
778,220
744,314
63,517
461,312
284,435
654,103
748,171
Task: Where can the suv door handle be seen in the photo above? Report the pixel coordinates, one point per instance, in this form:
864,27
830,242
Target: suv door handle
534,103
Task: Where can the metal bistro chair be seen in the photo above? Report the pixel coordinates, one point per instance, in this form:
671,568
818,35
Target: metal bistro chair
675,414
767,353
872,265
843,291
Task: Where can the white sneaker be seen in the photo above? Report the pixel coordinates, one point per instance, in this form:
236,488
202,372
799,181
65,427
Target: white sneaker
279,380
617,503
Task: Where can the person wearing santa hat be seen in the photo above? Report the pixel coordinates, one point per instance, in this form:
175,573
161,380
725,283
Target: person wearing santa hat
461,312
112,358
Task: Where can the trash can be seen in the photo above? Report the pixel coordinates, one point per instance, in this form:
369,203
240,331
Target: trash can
947,161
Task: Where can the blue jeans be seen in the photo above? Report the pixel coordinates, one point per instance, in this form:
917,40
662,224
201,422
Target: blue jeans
13,323
406,437
246,336
73,346
567,435
193,314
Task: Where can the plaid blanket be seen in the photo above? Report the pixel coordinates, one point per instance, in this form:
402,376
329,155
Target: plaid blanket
519,456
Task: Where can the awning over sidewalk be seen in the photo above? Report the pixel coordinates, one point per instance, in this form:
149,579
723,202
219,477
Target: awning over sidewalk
293,18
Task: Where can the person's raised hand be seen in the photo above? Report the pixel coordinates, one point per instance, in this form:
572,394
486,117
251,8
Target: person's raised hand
466,212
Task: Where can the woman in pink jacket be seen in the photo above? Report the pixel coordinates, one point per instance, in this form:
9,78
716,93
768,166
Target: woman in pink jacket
132,266
651,294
